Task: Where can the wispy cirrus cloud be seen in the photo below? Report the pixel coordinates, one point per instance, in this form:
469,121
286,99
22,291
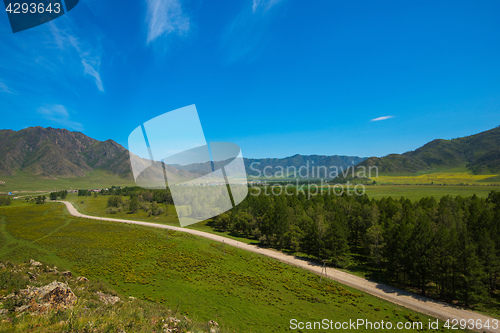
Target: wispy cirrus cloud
91,67
5,89
90,57
165,17
247,32
59,114
263,5
382,118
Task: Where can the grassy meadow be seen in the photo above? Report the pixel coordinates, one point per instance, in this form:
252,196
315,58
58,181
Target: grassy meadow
242,291
441,176
417,192
452,178
25,183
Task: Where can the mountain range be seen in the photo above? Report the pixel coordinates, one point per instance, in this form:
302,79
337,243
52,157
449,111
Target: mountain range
53,153
58,153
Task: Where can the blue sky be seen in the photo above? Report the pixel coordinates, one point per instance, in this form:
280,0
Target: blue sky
277,77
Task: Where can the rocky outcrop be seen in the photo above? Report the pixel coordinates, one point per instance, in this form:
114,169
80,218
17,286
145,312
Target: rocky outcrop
54,296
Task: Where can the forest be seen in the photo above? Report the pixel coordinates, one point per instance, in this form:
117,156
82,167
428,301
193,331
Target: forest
448,248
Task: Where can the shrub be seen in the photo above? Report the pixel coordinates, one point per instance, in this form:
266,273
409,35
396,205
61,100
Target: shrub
5,201
112,210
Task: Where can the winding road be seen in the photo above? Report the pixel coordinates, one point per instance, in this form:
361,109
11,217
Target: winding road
409,300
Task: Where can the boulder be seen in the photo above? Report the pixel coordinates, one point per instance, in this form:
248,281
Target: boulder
107,299
213,326
82,279
35,263
67,274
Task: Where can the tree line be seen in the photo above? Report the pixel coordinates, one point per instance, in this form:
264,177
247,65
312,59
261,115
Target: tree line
58,195
149,195
448,248
140,199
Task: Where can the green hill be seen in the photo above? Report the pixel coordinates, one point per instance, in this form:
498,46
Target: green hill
479,154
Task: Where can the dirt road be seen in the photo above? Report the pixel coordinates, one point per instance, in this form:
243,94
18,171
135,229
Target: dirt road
412,301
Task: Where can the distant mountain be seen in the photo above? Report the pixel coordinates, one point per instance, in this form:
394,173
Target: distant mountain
480,153
287,165
51,152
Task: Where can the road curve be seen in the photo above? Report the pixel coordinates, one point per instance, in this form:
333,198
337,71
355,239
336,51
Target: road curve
409,300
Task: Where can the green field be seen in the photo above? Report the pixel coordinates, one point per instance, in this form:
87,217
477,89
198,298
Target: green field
23,182
440,175
243,291
417,192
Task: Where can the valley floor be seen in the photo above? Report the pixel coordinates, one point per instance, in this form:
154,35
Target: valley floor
397,296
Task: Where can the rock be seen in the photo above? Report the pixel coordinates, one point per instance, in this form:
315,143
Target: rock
213,327
132,298
82,279
32,276
54,296
108,299
171,325
11,295
67,274
22,308
35,263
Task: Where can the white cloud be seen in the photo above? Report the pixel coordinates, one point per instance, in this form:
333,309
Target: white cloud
90,57
165,17
382,118
59,114
265,5
90,66
4,88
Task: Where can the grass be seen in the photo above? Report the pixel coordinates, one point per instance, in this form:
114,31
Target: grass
96,206
243,291
89,314
417,192
32,183
443,175
435,178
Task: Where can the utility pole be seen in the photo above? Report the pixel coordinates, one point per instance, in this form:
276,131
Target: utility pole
323,269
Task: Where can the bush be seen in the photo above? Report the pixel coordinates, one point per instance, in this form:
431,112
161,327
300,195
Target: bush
5,201
112,210
115,201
